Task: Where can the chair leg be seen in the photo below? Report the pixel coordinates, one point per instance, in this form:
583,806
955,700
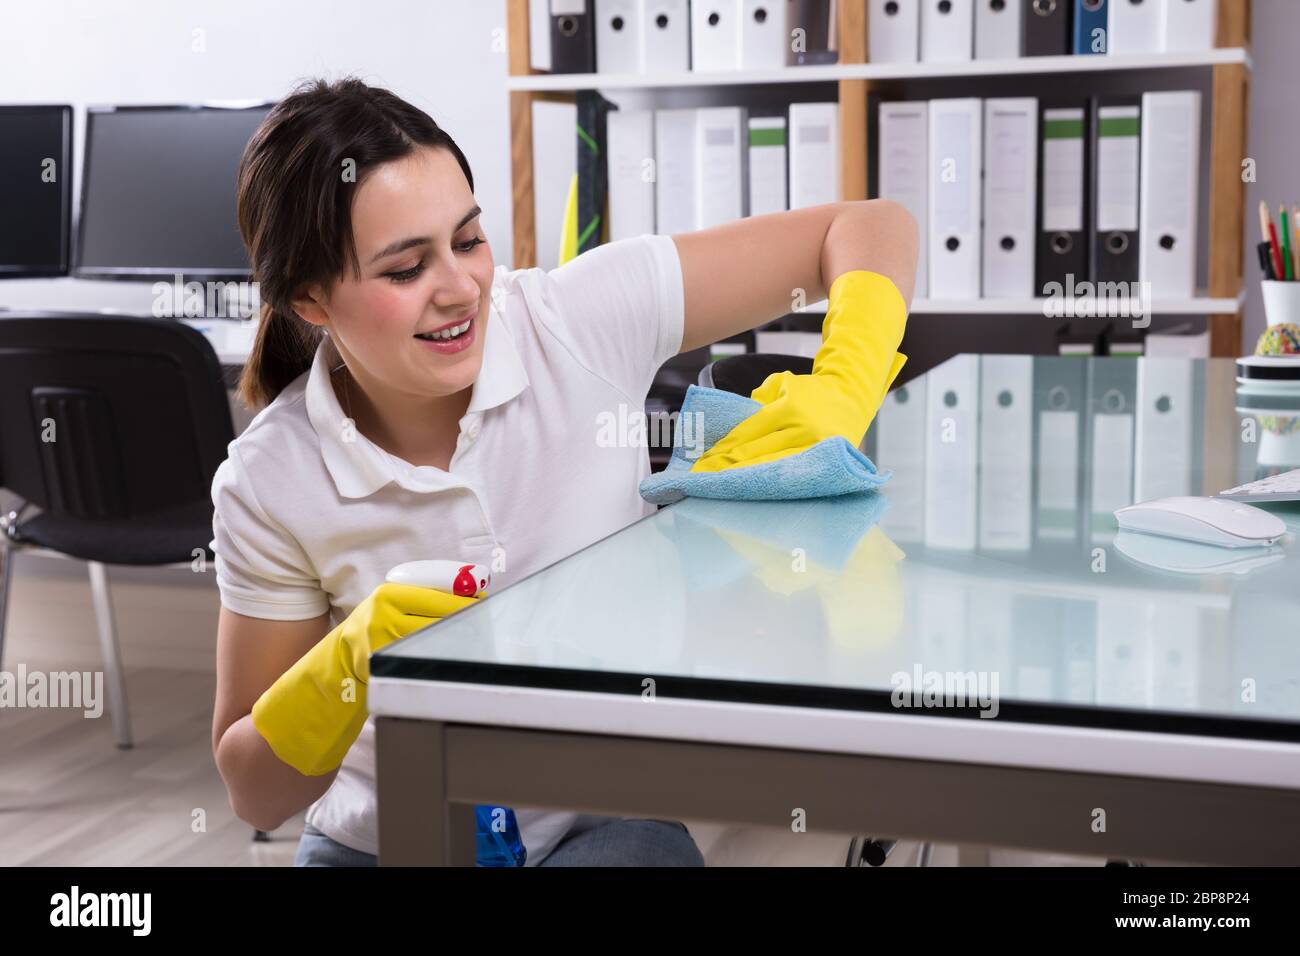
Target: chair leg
113,671
6,581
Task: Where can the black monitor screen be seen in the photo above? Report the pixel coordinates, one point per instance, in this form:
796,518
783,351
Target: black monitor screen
158,195
35,190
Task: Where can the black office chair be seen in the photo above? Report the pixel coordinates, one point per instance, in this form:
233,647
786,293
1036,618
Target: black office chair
112,426
742,374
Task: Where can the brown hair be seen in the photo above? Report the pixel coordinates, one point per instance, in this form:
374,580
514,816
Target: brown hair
294,205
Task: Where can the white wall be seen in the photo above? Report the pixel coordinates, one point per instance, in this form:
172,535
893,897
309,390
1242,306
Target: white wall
438,54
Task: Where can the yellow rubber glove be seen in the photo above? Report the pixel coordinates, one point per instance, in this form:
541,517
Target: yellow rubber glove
315,710
852,371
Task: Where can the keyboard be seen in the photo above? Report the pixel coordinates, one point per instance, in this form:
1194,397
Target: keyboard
1283,487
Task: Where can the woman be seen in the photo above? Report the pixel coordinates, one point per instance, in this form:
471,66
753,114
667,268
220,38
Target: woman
422,403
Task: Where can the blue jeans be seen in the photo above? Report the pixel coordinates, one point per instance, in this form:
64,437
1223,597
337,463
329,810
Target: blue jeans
616,843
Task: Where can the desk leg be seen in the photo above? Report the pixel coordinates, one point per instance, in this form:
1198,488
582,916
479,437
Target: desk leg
418,825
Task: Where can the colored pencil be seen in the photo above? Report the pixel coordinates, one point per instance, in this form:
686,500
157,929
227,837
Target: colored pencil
1286,242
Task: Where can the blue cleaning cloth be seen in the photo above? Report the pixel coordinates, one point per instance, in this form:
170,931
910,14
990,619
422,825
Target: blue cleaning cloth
830,467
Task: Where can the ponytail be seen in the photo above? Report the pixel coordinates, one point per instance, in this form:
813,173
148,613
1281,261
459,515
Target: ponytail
283,349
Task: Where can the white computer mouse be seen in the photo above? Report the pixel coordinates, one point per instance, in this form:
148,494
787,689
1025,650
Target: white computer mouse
1228,524
453,577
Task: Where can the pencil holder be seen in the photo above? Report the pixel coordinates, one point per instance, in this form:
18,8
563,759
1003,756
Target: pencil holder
1279,442
1281,301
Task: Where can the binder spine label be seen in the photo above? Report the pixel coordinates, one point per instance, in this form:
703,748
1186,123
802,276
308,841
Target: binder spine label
1117,168
767,136
1006,131
1063,170
952,147
1170,209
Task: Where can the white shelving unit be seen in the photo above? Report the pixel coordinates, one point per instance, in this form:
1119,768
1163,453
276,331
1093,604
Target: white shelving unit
1030,65
1228,66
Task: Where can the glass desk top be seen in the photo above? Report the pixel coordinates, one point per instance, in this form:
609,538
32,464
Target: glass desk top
987,574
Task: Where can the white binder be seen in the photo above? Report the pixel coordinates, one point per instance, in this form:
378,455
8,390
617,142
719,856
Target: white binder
1006,446
763,36
1170,183
1010,185
1189,24
942,621
893,31
1180,634
1163,447
1134,26
767,150
665,36
814,154
674,171
903,163
788,343
1112,409
1112,443
991,630
618,36
1123,655
719,165
947,30
952,453
899,435
999,29
715,35
954,171
630,147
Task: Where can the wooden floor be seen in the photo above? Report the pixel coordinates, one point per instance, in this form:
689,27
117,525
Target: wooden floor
68,796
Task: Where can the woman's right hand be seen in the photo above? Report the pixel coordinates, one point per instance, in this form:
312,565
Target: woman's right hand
315,710
390,612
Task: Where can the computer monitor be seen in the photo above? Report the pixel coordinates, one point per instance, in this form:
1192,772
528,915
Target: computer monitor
35,190
158,192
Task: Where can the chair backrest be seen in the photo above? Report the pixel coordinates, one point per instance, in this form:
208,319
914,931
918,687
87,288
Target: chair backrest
744,373
109,416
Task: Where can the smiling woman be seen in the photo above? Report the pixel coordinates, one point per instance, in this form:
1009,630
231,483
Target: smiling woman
411,416
427,405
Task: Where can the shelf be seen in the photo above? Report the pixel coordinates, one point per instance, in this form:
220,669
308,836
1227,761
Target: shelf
1083,308
880,71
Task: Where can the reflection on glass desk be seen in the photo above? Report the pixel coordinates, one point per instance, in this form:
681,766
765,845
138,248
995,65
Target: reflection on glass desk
992,551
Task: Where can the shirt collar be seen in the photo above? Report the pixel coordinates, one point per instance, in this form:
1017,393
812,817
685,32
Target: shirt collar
358,466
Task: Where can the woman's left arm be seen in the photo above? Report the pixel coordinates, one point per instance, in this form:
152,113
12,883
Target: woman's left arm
742,274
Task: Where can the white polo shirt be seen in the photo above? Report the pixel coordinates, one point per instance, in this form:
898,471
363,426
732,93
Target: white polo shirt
308,521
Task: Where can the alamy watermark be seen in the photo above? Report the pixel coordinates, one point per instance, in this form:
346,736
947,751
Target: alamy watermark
924,689
205,300
1111,300
633,428
83,690
133,911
